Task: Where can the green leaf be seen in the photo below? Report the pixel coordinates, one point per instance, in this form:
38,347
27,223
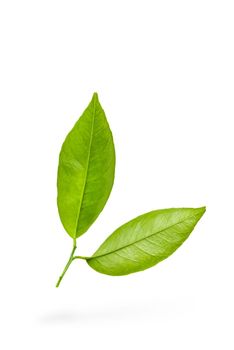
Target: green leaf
86,170
145,241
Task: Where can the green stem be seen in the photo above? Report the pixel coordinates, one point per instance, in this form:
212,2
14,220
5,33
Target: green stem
68,263
80,257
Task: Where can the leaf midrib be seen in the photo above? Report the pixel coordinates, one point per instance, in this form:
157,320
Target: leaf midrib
87,166
139,240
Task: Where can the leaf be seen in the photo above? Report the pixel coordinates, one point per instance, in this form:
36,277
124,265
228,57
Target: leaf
86,170
145,241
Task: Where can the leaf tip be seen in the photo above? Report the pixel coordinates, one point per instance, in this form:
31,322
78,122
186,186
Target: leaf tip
201,211
95,96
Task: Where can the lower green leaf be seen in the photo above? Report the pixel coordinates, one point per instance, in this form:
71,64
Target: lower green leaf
145,241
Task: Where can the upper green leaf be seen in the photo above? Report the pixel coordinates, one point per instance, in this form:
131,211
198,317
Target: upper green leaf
86,170
145,241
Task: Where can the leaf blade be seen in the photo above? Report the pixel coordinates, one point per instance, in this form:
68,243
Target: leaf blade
145,241
86,170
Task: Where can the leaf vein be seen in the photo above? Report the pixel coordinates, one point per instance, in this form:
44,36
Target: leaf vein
142,239
124,257
87,168
143,250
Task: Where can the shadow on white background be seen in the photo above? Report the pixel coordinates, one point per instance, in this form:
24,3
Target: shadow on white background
113,313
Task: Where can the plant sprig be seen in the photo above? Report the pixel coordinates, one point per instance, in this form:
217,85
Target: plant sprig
85,179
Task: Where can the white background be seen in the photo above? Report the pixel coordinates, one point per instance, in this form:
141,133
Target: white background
165,77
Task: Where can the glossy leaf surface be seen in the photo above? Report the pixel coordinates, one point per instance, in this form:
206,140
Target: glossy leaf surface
86,170
145,241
